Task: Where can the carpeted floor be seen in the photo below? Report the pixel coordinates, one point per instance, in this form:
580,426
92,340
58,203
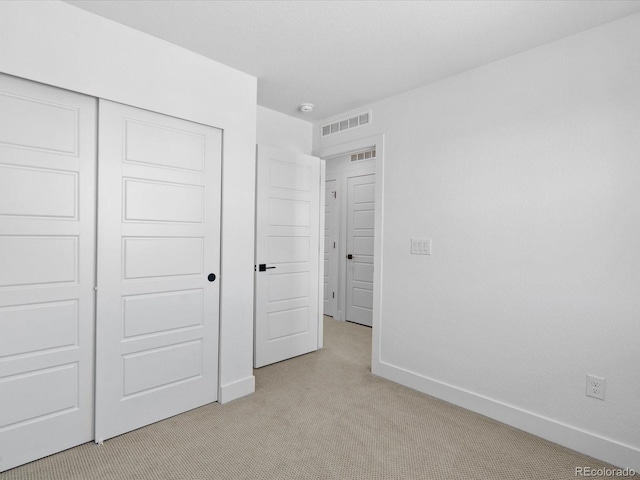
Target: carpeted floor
319,416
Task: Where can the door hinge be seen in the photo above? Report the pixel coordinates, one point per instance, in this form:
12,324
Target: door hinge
334,244
335,194
333,295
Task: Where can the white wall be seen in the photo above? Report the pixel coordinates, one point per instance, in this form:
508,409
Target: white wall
282,131
61,45
526,175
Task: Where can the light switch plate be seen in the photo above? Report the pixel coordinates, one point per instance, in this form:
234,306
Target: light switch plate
421,246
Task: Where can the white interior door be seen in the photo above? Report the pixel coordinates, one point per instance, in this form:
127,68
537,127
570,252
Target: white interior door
287,306
360,236
47,264
331,234
159,241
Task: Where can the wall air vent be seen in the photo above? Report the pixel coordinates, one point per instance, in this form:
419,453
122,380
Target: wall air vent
366,155
348,123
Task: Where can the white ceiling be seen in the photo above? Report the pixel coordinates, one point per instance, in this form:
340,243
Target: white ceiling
340,55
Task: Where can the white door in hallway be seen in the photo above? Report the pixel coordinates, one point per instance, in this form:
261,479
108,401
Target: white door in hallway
360,238
47,265
331,231
287,287
158,253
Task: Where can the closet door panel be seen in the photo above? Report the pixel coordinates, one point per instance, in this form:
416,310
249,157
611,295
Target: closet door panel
47,269
159,241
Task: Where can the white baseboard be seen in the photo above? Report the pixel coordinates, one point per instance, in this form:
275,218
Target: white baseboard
240,388
607,450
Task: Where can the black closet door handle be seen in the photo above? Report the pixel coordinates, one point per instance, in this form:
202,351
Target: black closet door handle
212,277
263,267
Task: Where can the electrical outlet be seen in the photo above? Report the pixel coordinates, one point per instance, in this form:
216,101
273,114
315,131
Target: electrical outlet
595,387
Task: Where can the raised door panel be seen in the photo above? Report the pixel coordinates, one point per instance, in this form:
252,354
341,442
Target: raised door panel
38,260
48,124
42,193
37,328
289,213
160,145
162,312
163,202
156,257
285,323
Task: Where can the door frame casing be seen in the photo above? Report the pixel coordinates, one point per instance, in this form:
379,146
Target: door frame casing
326,153
323,178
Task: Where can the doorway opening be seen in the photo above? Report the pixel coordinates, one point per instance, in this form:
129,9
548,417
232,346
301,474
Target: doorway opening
350,236
354,220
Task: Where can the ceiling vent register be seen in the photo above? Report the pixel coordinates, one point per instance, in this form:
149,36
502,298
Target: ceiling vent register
346,124
366,155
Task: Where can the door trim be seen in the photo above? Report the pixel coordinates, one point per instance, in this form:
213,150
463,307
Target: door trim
323,176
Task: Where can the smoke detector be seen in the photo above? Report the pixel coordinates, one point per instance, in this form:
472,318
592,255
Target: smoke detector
305,107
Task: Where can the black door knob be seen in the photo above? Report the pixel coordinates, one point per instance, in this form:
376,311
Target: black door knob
211,277
350,257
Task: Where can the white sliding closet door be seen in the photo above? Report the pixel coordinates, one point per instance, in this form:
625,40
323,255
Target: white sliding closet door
47,266
158,253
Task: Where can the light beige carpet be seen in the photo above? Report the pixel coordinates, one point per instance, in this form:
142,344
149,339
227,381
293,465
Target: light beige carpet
319,416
